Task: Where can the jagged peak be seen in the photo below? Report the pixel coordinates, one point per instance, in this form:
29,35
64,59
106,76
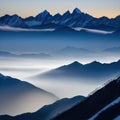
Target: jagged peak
104,18
67,13
15,15
94,63
77,10
76,62
45,12
5,16
58,14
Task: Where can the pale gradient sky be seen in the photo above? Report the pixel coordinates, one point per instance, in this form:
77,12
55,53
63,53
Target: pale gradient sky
97,8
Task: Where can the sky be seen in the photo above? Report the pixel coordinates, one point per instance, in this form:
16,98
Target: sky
24,8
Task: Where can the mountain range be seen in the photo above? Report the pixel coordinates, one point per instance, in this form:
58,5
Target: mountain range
77,71
103,104
17,96
75,19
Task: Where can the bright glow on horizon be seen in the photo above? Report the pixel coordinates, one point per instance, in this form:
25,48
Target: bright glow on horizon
109,8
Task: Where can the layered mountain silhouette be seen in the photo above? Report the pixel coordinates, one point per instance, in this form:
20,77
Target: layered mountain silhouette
104,104
77,71
48,111
74,19
17,96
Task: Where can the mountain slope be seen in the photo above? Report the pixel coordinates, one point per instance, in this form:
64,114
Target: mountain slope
91,71
96,102
18,96
49,111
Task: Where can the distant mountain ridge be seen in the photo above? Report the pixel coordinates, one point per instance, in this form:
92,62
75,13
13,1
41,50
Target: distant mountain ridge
74,19
78,71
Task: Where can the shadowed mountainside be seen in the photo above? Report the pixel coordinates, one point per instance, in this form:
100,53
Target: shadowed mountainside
48,111
101,105
92,71
17,96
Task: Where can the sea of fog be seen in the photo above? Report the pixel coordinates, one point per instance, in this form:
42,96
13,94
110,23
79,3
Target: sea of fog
52,43
26,69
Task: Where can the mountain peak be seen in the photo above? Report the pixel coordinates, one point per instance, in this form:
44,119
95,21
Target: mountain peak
45,12
67,13
77,10
6,15
43,16
58,14
15,15
95,63
75,63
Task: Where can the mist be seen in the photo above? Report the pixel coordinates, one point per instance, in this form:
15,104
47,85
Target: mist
27,69
55,44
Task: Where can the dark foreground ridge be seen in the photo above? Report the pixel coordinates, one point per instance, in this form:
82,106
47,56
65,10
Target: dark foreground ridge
108,96
95,103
